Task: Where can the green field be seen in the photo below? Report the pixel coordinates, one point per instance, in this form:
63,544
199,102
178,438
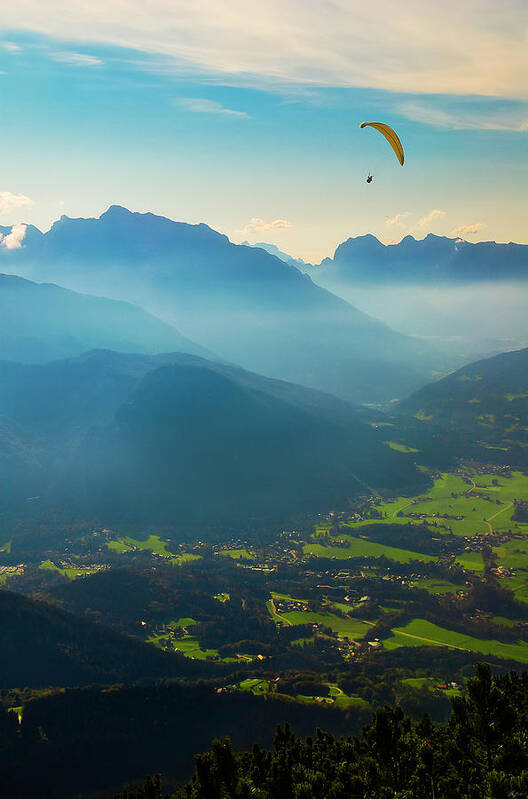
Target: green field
517,584
434,585
349,627
287,597
400,447
471,560
336,697
420,632
360,547
431,683
513,554
185,557
238,554
255,685
438,500
223,597
6,547
152,544
71,573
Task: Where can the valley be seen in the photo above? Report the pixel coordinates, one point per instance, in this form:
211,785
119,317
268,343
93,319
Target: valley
445,568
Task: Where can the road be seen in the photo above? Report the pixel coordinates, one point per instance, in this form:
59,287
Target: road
429,640
490,518
277,615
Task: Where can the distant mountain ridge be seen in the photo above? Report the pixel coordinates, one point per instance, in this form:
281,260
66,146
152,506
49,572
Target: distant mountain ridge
40,322
274,250
364,259
240,302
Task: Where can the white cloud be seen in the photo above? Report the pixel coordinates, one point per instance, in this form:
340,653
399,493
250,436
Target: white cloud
468,230
10,47
429,218
201,105
10,202
422,46
516,120
76,59
256,225
13,240
398,220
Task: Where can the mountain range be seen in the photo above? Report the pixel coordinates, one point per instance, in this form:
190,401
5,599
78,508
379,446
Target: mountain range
237,301
434,259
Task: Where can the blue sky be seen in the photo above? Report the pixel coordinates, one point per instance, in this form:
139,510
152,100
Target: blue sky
251,124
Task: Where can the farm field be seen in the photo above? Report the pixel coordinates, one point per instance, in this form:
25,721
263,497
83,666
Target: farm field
431,683
401,447
185,557
439,500
349,627
437,586
518,585
71,573
471,560
420,632
360,547
513,554
152,544
237,554
276,595
336,696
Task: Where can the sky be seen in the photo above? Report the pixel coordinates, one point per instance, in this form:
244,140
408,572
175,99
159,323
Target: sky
246,116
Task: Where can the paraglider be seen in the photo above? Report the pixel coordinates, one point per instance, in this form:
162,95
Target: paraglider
392,138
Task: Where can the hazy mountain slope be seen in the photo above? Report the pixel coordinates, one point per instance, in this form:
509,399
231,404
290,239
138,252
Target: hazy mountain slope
42,645
274,250
484,403
195,446
432,259
66,397
241,302
41,322
21,462
495,387
174,438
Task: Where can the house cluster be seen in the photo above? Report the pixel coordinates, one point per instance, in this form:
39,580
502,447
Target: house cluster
10,571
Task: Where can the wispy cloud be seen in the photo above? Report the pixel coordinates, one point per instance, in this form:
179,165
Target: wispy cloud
398,220
427,220
10,202
77,59
10,47
423,46
468,230
516,120
257,225
13,240
405,223
200,105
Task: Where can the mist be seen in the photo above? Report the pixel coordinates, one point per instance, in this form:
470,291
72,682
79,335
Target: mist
477,318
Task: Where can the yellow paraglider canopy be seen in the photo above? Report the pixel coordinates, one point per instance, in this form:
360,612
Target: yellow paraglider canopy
390,135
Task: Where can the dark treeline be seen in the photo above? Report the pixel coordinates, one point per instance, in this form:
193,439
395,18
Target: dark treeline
481,752
79,741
